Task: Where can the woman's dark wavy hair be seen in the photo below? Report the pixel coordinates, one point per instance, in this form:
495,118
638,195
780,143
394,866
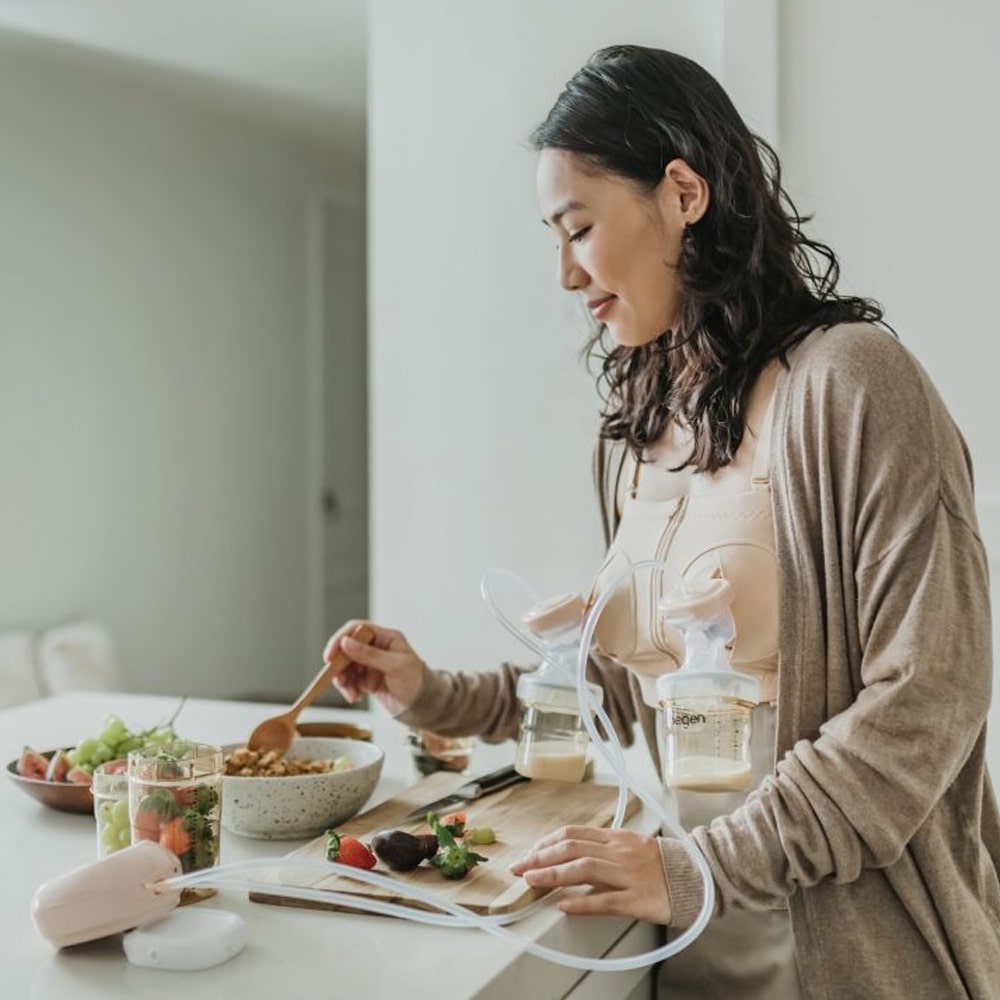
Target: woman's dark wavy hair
752,283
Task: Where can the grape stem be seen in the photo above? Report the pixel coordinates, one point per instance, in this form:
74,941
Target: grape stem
169,724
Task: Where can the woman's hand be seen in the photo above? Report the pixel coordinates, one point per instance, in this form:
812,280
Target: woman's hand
387,668
622,867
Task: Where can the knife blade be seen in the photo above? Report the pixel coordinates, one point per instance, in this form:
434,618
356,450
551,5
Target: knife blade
476,788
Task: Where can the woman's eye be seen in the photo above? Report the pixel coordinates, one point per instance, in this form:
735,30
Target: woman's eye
579,234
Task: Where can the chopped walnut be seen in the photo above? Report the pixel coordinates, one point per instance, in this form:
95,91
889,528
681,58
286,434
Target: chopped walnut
245,763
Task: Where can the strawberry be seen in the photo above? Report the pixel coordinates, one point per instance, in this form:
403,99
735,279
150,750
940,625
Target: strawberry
185,797
454,823
348,851
146,826
453,860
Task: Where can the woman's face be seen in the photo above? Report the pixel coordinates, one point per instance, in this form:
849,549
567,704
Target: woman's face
618,248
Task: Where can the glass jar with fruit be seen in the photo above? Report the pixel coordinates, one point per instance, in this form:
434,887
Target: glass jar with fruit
110,789
175,799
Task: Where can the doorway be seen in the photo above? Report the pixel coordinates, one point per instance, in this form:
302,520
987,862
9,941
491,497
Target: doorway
337,419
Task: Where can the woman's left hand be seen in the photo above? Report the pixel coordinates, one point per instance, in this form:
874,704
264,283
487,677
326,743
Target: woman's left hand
622,867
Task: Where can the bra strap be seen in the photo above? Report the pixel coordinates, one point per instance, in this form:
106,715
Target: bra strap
760,473
633,490
609,458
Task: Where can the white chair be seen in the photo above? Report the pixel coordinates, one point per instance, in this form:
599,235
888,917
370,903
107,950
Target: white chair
78,657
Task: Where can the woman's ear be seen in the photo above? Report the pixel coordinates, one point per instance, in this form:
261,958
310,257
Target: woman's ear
686,191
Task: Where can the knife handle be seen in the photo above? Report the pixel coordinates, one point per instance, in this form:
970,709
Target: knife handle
498,779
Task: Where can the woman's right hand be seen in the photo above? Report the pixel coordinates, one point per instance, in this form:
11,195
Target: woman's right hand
388,667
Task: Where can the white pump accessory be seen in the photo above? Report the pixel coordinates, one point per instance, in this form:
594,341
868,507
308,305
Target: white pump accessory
107,896
186,940
702,613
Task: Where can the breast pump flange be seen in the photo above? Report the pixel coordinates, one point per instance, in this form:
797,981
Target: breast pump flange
706,706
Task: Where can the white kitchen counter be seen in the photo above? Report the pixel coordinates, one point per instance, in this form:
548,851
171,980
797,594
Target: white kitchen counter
290,953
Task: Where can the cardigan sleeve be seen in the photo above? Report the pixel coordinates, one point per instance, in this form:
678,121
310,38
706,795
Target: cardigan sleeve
467,704
485,704
886,647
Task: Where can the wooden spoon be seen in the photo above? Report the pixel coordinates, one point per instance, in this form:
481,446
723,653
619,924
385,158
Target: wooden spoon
278,732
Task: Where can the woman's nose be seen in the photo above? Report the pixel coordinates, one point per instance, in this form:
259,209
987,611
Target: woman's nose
572,277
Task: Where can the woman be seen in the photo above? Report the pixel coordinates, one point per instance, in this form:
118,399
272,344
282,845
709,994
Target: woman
760,426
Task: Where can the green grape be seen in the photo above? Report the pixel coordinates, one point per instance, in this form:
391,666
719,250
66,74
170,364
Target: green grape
113,828
115,741
120,813
114,731
123,747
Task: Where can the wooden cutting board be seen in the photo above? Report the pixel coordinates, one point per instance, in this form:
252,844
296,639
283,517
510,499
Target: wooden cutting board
520,816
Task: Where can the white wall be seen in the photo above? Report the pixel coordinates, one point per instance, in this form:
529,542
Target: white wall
482,418
888,134
152,366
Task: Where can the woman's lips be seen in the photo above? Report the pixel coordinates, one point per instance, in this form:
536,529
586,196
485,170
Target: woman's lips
599,308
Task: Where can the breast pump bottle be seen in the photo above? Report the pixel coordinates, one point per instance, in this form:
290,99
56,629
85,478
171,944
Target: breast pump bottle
706,705
553,740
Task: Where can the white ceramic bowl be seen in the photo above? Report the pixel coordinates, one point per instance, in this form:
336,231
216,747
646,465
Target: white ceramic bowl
300,806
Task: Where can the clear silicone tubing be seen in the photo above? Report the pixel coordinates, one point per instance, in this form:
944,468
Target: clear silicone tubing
614,760
519,633
453,915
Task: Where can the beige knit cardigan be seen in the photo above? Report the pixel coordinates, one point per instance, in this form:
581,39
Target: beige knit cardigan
879,829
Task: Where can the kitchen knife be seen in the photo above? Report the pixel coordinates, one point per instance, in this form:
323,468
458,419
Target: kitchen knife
470,791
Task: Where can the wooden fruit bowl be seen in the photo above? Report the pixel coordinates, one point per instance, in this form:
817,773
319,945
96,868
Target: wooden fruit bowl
62,795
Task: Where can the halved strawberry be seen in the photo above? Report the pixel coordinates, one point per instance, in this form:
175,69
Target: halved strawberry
185,797
146,826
